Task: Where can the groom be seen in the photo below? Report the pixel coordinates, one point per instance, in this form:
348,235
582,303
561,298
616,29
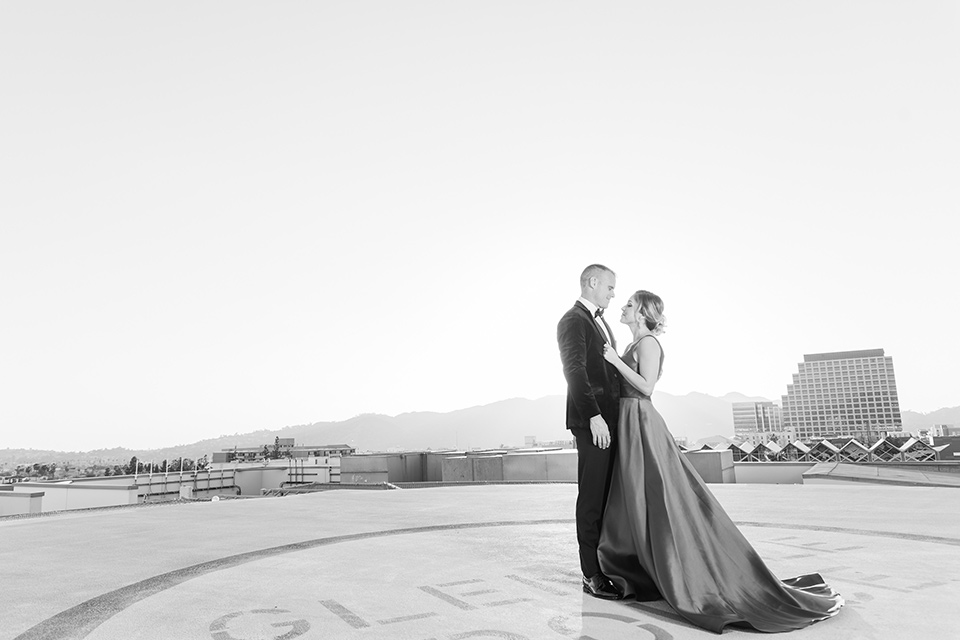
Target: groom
593,406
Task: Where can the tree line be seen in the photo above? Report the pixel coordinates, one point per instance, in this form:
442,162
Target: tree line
52,470
136,466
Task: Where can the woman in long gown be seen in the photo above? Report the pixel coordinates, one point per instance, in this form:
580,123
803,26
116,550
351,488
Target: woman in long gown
664,535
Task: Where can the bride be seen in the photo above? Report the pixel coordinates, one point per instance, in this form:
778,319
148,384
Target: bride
664,535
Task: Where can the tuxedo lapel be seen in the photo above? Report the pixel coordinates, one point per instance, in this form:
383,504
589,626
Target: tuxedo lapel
596,327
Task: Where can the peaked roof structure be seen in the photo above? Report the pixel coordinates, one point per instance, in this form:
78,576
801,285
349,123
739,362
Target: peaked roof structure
830,450
885,451
854,451
823,451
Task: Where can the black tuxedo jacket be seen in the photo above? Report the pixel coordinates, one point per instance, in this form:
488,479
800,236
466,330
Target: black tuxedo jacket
593,384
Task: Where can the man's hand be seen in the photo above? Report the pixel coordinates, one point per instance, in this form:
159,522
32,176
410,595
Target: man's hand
600,431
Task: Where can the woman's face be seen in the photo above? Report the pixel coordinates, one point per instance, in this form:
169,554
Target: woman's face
631,313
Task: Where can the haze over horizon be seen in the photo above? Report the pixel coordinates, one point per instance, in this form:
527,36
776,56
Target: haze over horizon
560,429
224,218
693,416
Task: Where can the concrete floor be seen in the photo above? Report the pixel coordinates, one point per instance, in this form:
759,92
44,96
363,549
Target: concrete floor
448,563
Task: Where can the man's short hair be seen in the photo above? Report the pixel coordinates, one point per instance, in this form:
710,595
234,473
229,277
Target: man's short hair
593,270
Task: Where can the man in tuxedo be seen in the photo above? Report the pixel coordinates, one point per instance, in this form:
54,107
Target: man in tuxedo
593,406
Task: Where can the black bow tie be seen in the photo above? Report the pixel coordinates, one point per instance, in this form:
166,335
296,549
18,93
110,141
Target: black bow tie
598,313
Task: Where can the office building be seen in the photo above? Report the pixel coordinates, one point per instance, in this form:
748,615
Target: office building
847,394
757,422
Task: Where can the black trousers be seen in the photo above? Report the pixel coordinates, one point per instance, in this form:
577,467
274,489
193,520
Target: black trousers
594,467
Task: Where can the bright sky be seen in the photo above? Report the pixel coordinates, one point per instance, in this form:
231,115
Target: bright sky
226,216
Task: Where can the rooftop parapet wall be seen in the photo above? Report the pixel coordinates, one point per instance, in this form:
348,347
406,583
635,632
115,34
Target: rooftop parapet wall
771,472
407,466
16,503
841,473
61,496
541,466
561,466
938,466
86,493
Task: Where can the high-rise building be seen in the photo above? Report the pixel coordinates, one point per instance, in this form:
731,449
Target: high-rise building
843,394
757,422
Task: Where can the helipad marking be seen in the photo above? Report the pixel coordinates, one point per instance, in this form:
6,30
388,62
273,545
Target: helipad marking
79,621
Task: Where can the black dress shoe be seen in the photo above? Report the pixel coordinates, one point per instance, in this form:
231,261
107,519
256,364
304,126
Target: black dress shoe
600,586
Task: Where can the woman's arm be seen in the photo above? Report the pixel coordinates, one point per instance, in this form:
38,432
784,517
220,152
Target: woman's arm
648,353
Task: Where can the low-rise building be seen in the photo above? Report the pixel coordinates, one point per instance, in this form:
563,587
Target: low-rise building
281,448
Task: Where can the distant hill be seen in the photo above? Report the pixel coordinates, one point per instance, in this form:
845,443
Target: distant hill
507,423
733,396
913,420
696,416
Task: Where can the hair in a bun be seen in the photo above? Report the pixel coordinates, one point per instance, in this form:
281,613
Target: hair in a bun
651,308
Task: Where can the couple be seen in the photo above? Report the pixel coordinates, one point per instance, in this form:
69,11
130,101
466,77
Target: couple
647,525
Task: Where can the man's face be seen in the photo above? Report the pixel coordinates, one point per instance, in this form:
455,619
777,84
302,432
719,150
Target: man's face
603,294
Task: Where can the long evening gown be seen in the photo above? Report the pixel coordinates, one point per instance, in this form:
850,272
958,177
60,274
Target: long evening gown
665,535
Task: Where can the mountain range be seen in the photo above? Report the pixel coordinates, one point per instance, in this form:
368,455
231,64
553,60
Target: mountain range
696,416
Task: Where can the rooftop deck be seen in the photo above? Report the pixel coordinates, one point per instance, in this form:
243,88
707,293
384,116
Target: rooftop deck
495,561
